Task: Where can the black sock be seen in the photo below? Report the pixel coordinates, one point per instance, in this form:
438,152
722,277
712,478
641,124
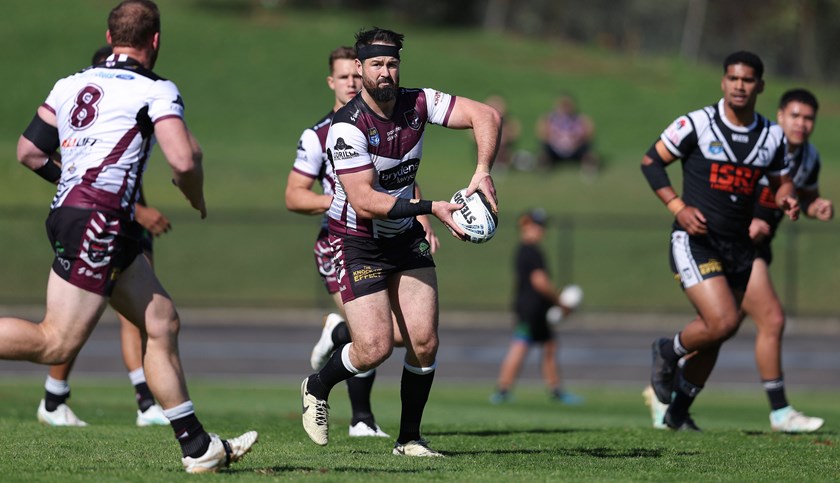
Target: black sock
776,393
191,435
667,351
144,397
341,334
332,373
414,392
359,388
53,401
685,393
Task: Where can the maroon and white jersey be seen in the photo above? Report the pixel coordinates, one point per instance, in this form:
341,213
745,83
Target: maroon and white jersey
359,140
311,160
106,116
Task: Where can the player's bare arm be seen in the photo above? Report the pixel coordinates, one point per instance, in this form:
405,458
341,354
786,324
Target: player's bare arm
814,206
786,198
151,219
653,167
184,156
486,124
301,199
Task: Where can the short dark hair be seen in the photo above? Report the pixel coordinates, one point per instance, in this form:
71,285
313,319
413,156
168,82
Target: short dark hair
799,95
746,58
101,54
342,52
376,34
132,23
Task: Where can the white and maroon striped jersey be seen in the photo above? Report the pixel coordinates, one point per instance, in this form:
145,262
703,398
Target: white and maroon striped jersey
359,140
311,160
106,116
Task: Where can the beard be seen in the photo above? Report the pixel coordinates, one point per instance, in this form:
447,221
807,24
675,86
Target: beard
381,93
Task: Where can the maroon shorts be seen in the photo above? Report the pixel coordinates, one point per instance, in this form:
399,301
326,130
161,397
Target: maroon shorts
92,247
364,265
324,262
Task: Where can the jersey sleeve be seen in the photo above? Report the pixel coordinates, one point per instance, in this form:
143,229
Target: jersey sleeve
310,156
812,181
439,105
347,149
165,101
680,137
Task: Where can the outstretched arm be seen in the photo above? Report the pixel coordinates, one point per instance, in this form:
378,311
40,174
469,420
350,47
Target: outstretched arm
184,156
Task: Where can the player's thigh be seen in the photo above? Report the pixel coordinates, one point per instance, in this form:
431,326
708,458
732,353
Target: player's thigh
414,299
140,298
715,302
760,300
72,312
369,319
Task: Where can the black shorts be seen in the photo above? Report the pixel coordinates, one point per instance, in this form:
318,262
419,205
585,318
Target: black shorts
364,265
92,247
697,258
576,155
533,331
146,238
764,251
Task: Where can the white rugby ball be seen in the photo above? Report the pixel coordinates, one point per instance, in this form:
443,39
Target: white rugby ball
571,296
476,218
554,315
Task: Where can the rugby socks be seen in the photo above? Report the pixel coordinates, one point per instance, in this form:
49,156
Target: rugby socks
337,369
341,335
142,393
189,432
57,393
672,350
775,389
359,389
684,395
414,392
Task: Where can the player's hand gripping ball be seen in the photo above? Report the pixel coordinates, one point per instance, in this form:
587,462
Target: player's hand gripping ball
476,218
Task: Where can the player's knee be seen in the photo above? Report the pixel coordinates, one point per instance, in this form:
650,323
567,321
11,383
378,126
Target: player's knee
772,323
58,352
726,326
163,326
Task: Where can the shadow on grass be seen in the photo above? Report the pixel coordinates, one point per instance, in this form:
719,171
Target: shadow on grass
506,432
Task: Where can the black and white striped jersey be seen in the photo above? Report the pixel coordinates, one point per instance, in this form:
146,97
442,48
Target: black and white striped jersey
804,165
722,163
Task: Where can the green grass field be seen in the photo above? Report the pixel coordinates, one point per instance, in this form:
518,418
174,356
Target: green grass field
253,79
531,439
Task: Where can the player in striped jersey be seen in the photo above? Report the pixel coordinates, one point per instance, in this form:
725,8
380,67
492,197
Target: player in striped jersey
725,149
106,119
383,260
797,116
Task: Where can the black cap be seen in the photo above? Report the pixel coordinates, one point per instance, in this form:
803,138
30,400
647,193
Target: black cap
537,215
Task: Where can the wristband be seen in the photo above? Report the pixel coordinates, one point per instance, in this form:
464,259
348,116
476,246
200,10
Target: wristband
676,205
49,171
404,208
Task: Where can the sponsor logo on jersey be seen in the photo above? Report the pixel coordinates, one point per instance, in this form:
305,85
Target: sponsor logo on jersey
413,119
424,248
438,95
373,136
393,133
400,175
78,142
342,150
733,179
678,130
355,114
715,147
367,273
89,273
740,138
124,76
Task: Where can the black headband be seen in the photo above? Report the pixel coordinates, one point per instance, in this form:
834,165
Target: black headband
377,50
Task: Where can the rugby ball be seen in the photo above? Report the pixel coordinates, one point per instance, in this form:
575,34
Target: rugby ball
476,218
571,296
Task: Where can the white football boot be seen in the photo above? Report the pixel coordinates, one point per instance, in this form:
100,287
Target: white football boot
62,416
221,453
789,420
419,447
361,429
657,409
152,417
324,347
315,415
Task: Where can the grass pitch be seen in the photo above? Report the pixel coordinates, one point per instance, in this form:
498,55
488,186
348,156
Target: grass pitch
531,439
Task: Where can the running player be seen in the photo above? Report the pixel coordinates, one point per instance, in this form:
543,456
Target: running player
383,260
725,149
106,120
310,165
53,409
797,116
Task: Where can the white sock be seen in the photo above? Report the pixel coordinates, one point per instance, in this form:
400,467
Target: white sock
345,359
420,371
54,386
182,410
137,376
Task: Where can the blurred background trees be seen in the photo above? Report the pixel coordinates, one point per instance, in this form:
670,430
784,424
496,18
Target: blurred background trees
794,37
